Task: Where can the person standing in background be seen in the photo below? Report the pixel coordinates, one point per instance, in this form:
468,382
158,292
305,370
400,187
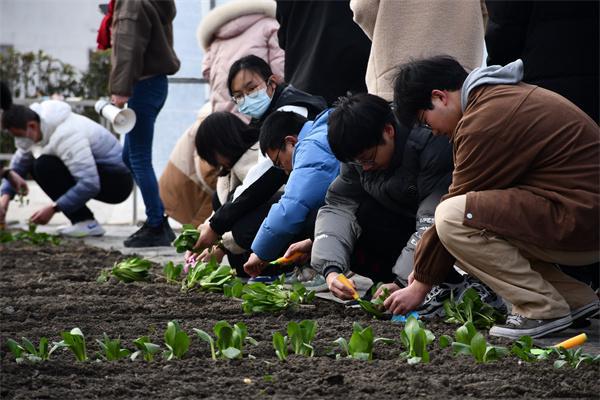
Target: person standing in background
326,53
405,29
142,57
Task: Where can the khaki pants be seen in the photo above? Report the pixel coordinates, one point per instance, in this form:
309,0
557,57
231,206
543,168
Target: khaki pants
523,274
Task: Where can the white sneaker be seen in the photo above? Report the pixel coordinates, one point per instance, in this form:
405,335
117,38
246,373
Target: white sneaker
91,227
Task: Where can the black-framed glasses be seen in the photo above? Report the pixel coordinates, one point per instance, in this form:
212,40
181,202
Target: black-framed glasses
421,120
251,93
365,163
276,162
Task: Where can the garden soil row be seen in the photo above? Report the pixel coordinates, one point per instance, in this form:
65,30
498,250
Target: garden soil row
45,290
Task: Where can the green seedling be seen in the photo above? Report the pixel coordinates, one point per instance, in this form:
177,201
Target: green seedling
35,238
74,341
187,240
470,342
233,288
300,336
132,270
145,348
361,343
111,349
229,341
6,237
471,309
375,307
573,357
415,339
172,272
523,349
258,297
26,351
208,276
176,340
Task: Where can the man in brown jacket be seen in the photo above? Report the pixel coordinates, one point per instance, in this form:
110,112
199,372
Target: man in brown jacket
142,57
525,192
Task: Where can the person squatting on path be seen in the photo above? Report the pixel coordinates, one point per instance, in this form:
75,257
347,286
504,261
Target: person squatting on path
80,160
524,196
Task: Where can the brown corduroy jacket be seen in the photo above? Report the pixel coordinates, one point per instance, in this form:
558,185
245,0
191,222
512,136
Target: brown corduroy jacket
142,36
529,162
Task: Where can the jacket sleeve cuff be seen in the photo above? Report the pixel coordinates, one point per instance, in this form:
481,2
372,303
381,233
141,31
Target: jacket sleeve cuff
331,268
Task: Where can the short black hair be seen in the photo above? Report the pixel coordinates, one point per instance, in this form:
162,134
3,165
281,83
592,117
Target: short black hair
17,116
416,79
277,126
250,63
226,134
356,124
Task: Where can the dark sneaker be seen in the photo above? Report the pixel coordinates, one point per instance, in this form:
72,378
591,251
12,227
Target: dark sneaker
433,305
588,311
486,294
151,236
517,326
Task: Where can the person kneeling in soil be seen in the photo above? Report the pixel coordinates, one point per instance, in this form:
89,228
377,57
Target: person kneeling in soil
392,178
525,192
300,148
80,160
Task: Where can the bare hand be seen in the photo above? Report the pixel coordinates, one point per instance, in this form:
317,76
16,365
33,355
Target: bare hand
338,289
119,100
18,183
304,247
211,252
43,215
392,287
254,265
207,238
408,299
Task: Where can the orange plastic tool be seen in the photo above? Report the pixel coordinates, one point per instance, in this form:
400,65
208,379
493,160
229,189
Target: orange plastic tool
286,260
572,342
342,278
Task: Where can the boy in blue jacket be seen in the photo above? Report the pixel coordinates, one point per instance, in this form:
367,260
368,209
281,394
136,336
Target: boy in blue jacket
300,148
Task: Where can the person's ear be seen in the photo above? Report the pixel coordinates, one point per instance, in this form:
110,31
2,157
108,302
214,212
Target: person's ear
291,139
442,95
389,131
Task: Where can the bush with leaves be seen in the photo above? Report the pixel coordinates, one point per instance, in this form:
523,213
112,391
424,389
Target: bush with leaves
470,342
415,339
361,343
26,351
300,336
229,341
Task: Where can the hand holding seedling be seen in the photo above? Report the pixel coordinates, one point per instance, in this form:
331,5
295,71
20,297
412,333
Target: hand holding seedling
207,238
408,299
18,183
254,265
303,247
213,251
338,289
43,215
391,287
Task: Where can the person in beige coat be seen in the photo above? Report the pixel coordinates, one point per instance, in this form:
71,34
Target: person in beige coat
405,29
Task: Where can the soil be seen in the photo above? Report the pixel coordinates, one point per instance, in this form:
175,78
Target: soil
45,290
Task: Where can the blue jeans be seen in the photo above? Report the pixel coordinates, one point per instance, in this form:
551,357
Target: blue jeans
148,98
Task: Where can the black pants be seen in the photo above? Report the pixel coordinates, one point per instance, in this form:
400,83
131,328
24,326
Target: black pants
384,235
245,229
55,180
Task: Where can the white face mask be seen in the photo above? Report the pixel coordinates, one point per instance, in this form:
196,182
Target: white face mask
23,143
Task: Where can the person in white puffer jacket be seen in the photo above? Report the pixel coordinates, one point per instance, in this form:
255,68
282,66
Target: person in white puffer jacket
79,160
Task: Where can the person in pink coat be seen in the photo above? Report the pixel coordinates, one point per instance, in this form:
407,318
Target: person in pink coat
231,31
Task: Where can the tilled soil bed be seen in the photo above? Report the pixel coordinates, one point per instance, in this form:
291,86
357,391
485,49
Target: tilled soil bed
48,289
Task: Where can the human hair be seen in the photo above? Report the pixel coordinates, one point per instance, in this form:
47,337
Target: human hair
17,116
415,80
356,124
250,63
5,96
277,126
225,134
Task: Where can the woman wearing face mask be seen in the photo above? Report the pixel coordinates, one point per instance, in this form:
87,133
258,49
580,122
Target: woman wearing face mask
231,146
257,93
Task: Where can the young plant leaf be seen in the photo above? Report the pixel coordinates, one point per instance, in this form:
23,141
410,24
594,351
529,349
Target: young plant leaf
176,341
280,343
172,272
145,348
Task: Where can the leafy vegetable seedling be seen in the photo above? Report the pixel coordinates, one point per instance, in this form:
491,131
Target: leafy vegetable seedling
187,240
33,237
258,297
573,357
176,340
470,342
111,349
172,272
208,276
229,341
27,351
415,339
375,307
132,270
361,343
74,341
471,309
300,336
145,348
